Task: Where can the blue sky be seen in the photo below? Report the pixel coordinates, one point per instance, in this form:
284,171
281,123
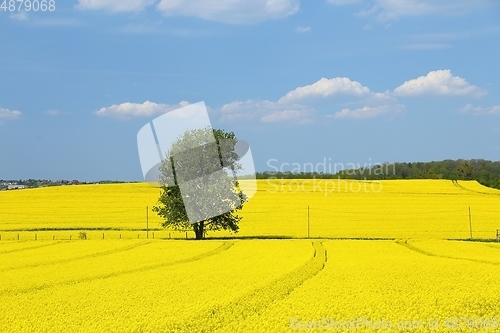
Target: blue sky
352,81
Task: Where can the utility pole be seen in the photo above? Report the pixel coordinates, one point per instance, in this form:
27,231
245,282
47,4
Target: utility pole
308,223
147,221
470,224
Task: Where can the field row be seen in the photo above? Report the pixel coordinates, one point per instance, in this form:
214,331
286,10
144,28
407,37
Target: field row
243,285
72,235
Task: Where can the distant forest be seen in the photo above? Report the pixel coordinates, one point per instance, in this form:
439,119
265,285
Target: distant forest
485,172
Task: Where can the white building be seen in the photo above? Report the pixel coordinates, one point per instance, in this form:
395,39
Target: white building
15,187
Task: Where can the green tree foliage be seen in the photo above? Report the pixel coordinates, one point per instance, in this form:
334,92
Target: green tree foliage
192,175
483,171
466,170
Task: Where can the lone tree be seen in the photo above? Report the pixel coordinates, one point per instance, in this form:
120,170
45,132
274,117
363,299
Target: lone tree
198,187
465,169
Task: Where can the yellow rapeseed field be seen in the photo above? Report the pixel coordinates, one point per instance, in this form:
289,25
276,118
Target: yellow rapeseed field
136,285
249,286
292,208
91,206
389,286
373,209
389,256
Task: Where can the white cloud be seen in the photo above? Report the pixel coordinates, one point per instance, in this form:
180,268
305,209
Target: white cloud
140,29
298,116
396,8
54,112
437,36
479,110
355,101
114,5
426,46
343,2
324,88
6,114
368,112
57,22
266,111
440,82
292,107
239,110
386,10
230,11
302,30
156,28
21,15
146,109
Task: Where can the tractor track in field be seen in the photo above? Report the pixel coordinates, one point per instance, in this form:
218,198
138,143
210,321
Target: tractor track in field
224,247
431,254
256,302
33,247
455,182
83,257
492,246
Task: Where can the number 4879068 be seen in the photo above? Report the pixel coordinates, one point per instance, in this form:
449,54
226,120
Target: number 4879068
28,5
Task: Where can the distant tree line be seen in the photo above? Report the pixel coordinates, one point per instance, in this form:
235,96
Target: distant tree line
32,183
485,172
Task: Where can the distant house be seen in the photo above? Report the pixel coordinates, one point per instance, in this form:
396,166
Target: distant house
15,187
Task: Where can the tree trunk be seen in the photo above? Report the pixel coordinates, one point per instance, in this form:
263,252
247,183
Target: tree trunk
199,229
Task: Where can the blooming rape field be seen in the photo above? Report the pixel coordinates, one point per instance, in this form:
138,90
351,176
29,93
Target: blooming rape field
91,206
290,208
249,286
374,209
378,259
